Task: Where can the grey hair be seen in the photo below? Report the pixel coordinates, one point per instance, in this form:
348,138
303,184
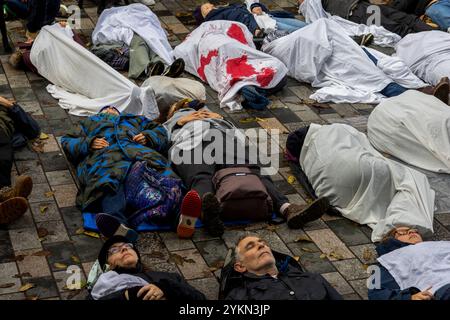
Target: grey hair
237,256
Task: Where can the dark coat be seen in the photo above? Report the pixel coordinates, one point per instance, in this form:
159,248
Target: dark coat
275,13
172,284
389,289
292,283
341,8
234,12
18,125
105,170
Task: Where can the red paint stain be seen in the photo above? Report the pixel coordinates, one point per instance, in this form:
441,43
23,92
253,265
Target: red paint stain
204,61
236,32
239,69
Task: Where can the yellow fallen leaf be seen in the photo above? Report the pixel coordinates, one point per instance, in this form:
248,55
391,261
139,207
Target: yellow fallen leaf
297,258
43,209
75,259
79,231
26,286
43,136
336,256
367,255
91,234
247,120
291,180
307,250
49,194
323,256
60,265
303,239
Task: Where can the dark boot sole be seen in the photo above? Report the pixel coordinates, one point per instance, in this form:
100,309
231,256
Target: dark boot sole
442,90
312,212
12,209
211,216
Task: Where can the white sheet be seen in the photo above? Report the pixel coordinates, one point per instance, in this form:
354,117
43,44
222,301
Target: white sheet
222,53
323,55
118,24
364,186
82,82
427,53
313,10
415,128
422,265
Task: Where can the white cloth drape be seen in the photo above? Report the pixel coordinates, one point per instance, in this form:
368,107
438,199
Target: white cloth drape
223,54
427,53
118,24
415,128
364,186
322,54
313,10
82,82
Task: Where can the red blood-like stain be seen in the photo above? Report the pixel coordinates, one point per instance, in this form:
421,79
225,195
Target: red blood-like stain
204,61
239,68
236,32
265,76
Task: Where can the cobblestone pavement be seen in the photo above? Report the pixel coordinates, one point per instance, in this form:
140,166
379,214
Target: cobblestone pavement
39,247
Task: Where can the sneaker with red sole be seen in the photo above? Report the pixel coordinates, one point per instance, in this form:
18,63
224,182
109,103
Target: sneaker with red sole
191,209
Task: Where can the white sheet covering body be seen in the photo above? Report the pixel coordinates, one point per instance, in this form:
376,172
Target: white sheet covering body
364,186
82,82
118,24
427,53
313,10
222,53
323,55
422,265
413,127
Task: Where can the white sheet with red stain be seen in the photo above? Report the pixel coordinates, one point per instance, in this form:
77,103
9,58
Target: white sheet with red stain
222,54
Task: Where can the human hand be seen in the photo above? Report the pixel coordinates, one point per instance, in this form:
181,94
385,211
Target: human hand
150,292
210,115
6,102
424,295
99,143
140,138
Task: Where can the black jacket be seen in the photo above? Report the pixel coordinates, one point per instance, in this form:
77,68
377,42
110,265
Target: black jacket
292,283
234,12
173,285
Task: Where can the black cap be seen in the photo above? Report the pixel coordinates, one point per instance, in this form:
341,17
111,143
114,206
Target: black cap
103,255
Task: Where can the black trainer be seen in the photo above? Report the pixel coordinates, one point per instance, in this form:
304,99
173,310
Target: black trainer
211,215
176,69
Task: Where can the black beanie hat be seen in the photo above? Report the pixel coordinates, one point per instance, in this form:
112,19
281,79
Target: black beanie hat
254,5
198,15
103,255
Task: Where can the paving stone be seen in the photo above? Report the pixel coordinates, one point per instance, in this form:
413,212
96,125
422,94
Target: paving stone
346,231
44,287
75,295
56,231
33,169
53,113
23,94
9,282
61,254
191,264
45,211
73,219
25,221
289,235
50,144
344,109
351,269
231,236
213,251
24,153
443,218
310,257
338,282
351,296
65,195
32,107
6,248
18,81
24,239
161,267
366,253
173,243
285,115
56,178
329,244
71,280
151,245
360,287
208,286
32,264
53,161
12,296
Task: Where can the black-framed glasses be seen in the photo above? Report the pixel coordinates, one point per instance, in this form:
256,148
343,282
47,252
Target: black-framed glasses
117,249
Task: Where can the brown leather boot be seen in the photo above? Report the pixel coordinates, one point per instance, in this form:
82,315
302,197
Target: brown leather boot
22,188
297,216
12,209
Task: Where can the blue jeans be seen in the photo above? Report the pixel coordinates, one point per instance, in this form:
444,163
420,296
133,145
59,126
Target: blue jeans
288,24
19,8
392,89
439,12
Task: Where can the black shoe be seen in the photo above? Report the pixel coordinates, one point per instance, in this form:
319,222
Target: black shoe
297,216
155,69
211,215
364,40
176,69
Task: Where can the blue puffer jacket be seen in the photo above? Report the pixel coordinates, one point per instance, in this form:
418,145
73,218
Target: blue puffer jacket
234,12
389,289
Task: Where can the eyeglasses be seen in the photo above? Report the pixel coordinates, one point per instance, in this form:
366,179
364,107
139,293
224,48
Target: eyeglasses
405,232
117,249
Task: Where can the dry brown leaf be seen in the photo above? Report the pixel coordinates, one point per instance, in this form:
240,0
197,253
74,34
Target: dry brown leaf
307,250
303,239
367,254
179,259
247,120
43,253
26,275
296,258
212,269
60,265
271,228
42,232
335,255
365,266
49,194
7,285
323,256
26,286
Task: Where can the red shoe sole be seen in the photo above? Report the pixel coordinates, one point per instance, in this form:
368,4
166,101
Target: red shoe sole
191,209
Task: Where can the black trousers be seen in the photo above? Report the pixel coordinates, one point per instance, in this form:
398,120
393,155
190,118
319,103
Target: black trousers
199,177
392,19
6,159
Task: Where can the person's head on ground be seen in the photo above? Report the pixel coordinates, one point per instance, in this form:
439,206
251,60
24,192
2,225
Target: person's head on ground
110,110
184,104
405,235
253,255
118,252
206,8
256,8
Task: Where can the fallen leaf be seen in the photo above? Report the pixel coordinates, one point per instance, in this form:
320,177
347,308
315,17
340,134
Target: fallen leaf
91,234
43,136
291,180
60,265
37,147
296,258
26,275
365,266
335,255
367,255
303,239
75,259
212,269
248,120
7,285
43,253
26,287
19,257
79,231
42,232
307,250
49,194
271,228
43,209
179,259
323,256
157,255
